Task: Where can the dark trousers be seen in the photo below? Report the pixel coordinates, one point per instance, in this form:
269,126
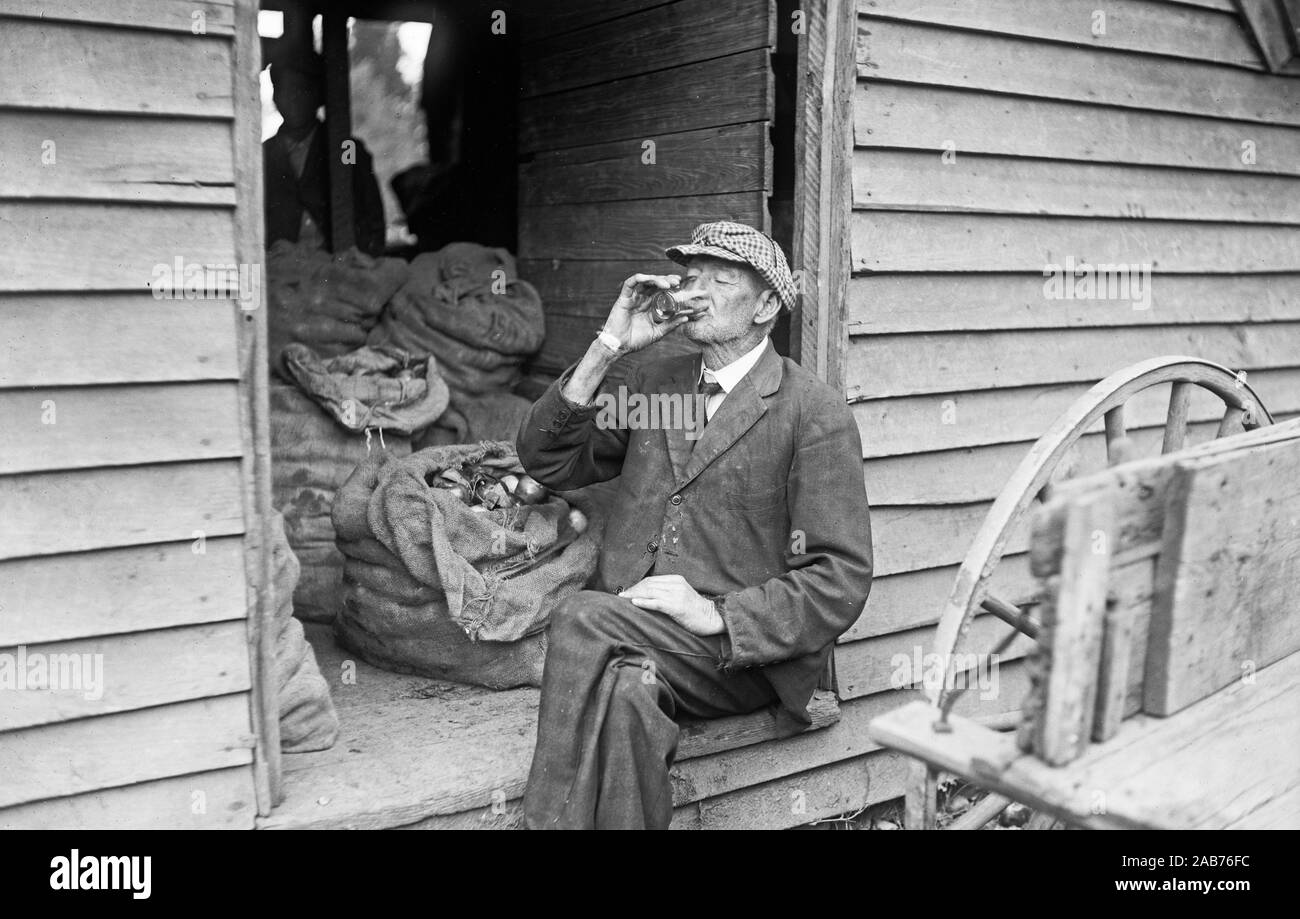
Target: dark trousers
616,676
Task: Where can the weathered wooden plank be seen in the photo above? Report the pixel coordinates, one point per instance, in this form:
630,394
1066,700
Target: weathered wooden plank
88,677
1128,25
1073,620
90,69
1225,597
889,241
709,776
907,53
628,229
818,794
906,659
540,21
708,737
933,118
51,761
686,98
656,39
731,158
1175,773
115,158
68,246
916,424
149,587
924,181
193,17
957,302
930,536
54,512
217,800
886,365
914,599
62,340
979,473
81,427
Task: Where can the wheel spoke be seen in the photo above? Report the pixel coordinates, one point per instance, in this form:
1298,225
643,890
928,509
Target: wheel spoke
1231,423
1117,442
1180,398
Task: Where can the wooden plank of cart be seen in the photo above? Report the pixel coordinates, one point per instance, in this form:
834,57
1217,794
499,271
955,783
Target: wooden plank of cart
1165,675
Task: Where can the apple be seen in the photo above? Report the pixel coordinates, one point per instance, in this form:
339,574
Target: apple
530,491
577,520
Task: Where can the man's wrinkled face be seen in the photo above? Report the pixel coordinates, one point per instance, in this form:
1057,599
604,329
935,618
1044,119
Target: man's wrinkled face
730,294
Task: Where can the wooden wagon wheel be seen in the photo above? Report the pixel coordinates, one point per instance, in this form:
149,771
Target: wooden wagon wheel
1243,411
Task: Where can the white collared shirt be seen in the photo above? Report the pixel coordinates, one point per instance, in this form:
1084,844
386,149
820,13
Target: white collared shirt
729,377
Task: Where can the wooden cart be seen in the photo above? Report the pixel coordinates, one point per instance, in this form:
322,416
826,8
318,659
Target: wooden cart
1164,677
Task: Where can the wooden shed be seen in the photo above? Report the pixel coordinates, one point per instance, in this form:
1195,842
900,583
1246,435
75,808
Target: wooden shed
924,164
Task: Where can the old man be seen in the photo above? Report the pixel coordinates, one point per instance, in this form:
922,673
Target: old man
734,556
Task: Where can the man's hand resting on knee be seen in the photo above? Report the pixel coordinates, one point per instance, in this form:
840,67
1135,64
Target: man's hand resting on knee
671,595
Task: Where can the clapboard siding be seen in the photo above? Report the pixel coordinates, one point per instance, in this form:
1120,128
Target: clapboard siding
85,246
120,472
71,757
923,181
909,53
1128,25
82,427
135,588
938,118
47,513
888,365
193,17
881,303
993,141
82,67
129,158
217,800
906,425
127,672
102,338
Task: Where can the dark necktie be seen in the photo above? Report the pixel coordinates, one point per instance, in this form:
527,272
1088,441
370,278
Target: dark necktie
707,389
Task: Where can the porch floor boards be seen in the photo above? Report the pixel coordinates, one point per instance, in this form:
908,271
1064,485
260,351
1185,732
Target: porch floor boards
416,752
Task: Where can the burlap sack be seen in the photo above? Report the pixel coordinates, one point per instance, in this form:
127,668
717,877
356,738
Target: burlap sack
328,302
434,588
311,458
308,720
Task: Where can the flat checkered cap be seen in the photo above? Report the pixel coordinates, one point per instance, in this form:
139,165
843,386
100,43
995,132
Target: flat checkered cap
737,242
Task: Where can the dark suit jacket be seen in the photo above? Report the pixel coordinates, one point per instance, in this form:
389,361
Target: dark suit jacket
288,195
767,514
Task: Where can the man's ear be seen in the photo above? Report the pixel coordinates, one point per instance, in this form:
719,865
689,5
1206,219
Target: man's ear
766,307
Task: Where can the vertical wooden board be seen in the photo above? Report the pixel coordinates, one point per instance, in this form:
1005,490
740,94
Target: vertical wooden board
66,340
218,800
82,427
91,68
50,513
1073,622
68,246
73,757
115,158
142,587
1225,600
89,677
